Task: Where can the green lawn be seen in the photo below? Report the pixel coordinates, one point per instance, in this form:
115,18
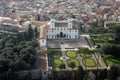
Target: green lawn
85,55
57,62
71,54
113,61
102,38
89,62
75,61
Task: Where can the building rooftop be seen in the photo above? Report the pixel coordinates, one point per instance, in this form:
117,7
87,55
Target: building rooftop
61,24
43,28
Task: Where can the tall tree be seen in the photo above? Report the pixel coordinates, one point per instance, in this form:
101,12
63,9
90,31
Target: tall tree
36,33
19,37
117,35
80,73
113,72
30,33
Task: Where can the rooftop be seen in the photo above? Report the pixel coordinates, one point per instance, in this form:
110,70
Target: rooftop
58,24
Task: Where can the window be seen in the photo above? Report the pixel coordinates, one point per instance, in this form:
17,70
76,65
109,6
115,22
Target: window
42,40
52,31
45,73
75,36
75,31
70,31
70,36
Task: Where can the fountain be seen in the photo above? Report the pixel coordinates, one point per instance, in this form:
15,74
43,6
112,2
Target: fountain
64,58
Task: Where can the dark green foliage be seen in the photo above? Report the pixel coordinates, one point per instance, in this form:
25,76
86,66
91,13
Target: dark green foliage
113,50
62,66
80,73
72,65
94,24
16,53
84,50
28,77
102,74
30,33
53,53
99,30
117,35
36,33
113,72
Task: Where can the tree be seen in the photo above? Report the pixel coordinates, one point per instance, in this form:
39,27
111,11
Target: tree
72,64
9,44
5,64
28,77
31,59
50,52
30,33
117,35
36,33
62,66
2,44
17,53
24,36
80,73
113,72
84,50
103,74
11,75
100,30
19,37
94,24
113,50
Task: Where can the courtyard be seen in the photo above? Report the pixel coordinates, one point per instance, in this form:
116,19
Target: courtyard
67,43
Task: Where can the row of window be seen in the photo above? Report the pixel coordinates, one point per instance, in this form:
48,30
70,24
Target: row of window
58,28
64,36
69,31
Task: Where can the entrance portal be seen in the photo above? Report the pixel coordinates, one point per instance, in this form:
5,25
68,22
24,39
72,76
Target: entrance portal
61,34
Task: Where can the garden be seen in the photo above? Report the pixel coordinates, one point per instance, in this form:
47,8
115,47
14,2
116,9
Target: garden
57,62
74,58
89,62
86,54
106,44
110,60
103,38
76,61
71,54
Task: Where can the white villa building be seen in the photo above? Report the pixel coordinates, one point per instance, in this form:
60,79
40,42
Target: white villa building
55,29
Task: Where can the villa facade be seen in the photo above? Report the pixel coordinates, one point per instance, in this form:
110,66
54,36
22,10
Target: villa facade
55,29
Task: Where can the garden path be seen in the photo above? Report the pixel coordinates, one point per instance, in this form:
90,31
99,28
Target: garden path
41,58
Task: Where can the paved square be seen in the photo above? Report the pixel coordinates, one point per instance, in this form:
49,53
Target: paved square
69,43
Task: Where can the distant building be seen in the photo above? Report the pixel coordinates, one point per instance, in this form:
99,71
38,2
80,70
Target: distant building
65,29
